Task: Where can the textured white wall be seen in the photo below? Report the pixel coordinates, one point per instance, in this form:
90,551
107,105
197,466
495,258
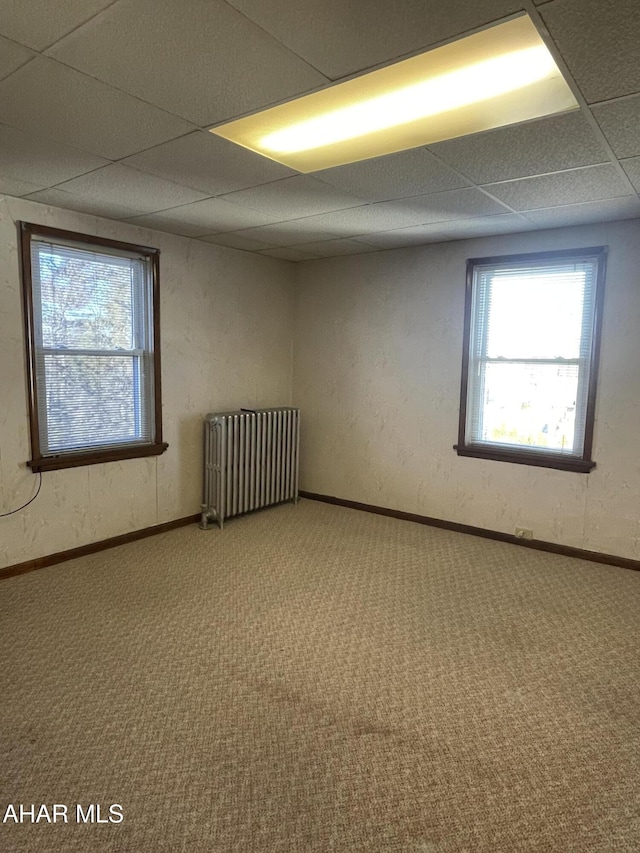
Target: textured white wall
226,333
377,357
378,341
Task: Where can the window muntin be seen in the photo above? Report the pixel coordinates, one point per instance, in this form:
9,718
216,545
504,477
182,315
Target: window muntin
530,358
92,328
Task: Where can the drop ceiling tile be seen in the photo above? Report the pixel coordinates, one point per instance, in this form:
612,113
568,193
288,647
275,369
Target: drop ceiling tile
12,56
573,187
160,222
293,198
583,214
532,148
208,163
39,24
340,38
14,186
632,168
199,59
210,216
288,233
398,238
69,201
120,185
69,107
486,226
288,254
457,204
237,241
360,220
400,175
599,42
41,161
620,123
459,229
334,248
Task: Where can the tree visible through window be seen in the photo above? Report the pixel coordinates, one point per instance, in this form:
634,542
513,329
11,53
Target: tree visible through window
92,323
530,358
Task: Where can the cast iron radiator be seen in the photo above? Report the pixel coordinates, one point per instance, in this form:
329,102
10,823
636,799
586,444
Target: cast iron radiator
250,461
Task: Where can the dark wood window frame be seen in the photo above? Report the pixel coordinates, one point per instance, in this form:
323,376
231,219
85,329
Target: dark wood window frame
72,459
582,464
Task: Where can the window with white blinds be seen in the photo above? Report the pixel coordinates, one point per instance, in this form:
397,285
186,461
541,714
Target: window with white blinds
530,358
93,348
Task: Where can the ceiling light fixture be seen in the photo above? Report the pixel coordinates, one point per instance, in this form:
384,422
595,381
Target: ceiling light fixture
499,76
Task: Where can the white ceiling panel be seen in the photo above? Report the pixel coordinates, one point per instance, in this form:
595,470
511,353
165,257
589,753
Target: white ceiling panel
584,214
632,168
408,173
457,204
396,238
119,185
14,186
39,23
237,241
459,229
532,148
483,226
288,233
160,222
210,216
288,254
209,163
198,73
293,198
12,56
561,188
67,106
362,220
41,161
599,41
620,122
335,248
70,201
339,37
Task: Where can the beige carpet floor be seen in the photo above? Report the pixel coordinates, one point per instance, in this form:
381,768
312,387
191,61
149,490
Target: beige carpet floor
318,679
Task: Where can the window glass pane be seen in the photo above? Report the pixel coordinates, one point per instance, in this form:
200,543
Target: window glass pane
87,300
91,400
535,314
530,405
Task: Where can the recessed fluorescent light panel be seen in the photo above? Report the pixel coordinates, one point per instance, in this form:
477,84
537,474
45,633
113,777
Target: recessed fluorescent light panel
502,75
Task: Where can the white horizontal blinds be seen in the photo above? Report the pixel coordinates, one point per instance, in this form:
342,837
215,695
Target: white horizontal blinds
94,364
530,355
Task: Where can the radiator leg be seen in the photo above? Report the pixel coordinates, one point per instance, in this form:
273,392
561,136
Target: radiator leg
207,519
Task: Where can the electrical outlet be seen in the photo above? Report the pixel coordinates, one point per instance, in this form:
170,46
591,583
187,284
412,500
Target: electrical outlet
523,533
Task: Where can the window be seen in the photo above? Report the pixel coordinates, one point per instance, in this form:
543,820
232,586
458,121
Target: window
92,330
532,330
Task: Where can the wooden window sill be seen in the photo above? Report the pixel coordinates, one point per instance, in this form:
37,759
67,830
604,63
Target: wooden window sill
74,460
540,460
